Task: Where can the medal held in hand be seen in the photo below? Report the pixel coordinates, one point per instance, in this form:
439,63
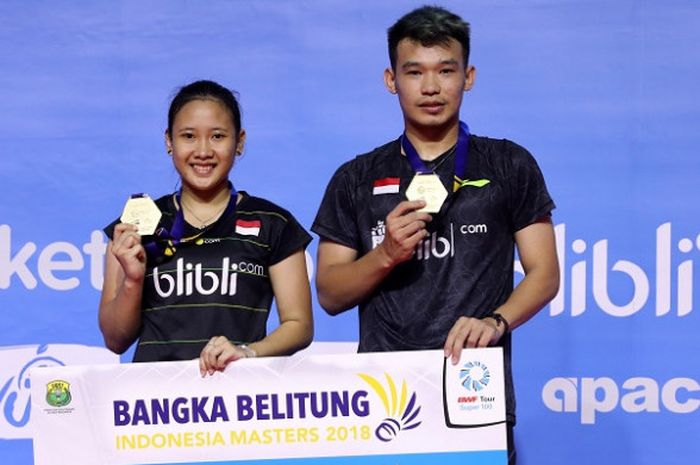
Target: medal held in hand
427,187
141,211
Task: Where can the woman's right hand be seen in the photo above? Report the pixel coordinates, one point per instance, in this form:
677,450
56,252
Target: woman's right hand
128,250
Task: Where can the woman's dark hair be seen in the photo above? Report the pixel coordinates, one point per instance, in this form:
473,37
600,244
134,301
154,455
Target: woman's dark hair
429,26
205,90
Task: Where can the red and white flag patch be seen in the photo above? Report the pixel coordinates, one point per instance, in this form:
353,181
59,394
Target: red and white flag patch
386,186
248,228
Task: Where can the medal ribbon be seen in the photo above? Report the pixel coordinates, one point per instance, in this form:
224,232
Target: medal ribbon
167,241
461,156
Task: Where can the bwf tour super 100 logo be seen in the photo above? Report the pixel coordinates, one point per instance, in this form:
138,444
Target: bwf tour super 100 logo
473,390
474,376
402,410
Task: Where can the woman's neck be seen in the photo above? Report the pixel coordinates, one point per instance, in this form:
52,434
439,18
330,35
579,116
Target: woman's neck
209,197
203,209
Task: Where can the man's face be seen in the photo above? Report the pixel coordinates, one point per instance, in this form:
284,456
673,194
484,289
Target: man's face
430,83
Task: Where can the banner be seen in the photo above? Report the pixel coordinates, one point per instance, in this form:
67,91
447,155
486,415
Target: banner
399,408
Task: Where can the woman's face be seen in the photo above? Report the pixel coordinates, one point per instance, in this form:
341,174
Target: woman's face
204,144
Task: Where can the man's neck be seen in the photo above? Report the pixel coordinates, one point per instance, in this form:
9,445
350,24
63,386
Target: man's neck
432,142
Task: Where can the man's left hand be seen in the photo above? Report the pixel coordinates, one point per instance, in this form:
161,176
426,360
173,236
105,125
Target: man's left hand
471,332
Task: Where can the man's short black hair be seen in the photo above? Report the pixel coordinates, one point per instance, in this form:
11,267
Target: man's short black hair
429,25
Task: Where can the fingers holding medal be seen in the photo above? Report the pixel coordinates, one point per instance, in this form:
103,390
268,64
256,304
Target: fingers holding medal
127,248
406,223
140,217
405,228
429,188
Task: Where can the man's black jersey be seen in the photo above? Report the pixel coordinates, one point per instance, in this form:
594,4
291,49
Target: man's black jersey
464,267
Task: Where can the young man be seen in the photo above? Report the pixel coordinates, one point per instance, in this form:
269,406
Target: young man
440,280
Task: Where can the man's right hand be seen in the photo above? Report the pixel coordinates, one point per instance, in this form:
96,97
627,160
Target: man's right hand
343,280
405,228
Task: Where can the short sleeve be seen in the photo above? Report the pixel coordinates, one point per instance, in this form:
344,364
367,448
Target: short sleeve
291,238
529,198
336,219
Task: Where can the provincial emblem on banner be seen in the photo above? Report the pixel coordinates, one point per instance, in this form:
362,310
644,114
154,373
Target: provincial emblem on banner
58,393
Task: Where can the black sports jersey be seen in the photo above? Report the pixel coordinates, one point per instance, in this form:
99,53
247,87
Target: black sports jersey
464,267
216,284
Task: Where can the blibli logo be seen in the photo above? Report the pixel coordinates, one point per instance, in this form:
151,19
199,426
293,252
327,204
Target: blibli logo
402,411
432,246
673,281
437,246
186,278
590,397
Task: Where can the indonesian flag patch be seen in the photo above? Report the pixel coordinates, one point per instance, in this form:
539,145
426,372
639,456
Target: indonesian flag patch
248,228
386,186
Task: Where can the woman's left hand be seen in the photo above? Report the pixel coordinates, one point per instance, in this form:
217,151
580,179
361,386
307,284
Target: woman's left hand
218,353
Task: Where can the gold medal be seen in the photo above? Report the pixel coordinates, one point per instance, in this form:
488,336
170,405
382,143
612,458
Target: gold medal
427,187
142,212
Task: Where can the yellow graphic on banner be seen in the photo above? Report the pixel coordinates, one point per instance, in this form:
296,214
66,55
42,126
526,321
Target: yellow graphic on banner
402,411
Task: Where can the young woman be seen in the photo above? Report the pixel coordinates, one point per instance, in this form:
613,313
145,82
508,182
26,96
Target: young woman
203,283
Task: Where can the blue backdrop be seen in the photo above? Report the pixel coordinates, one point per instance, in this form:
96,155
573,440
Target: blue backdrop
604,94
